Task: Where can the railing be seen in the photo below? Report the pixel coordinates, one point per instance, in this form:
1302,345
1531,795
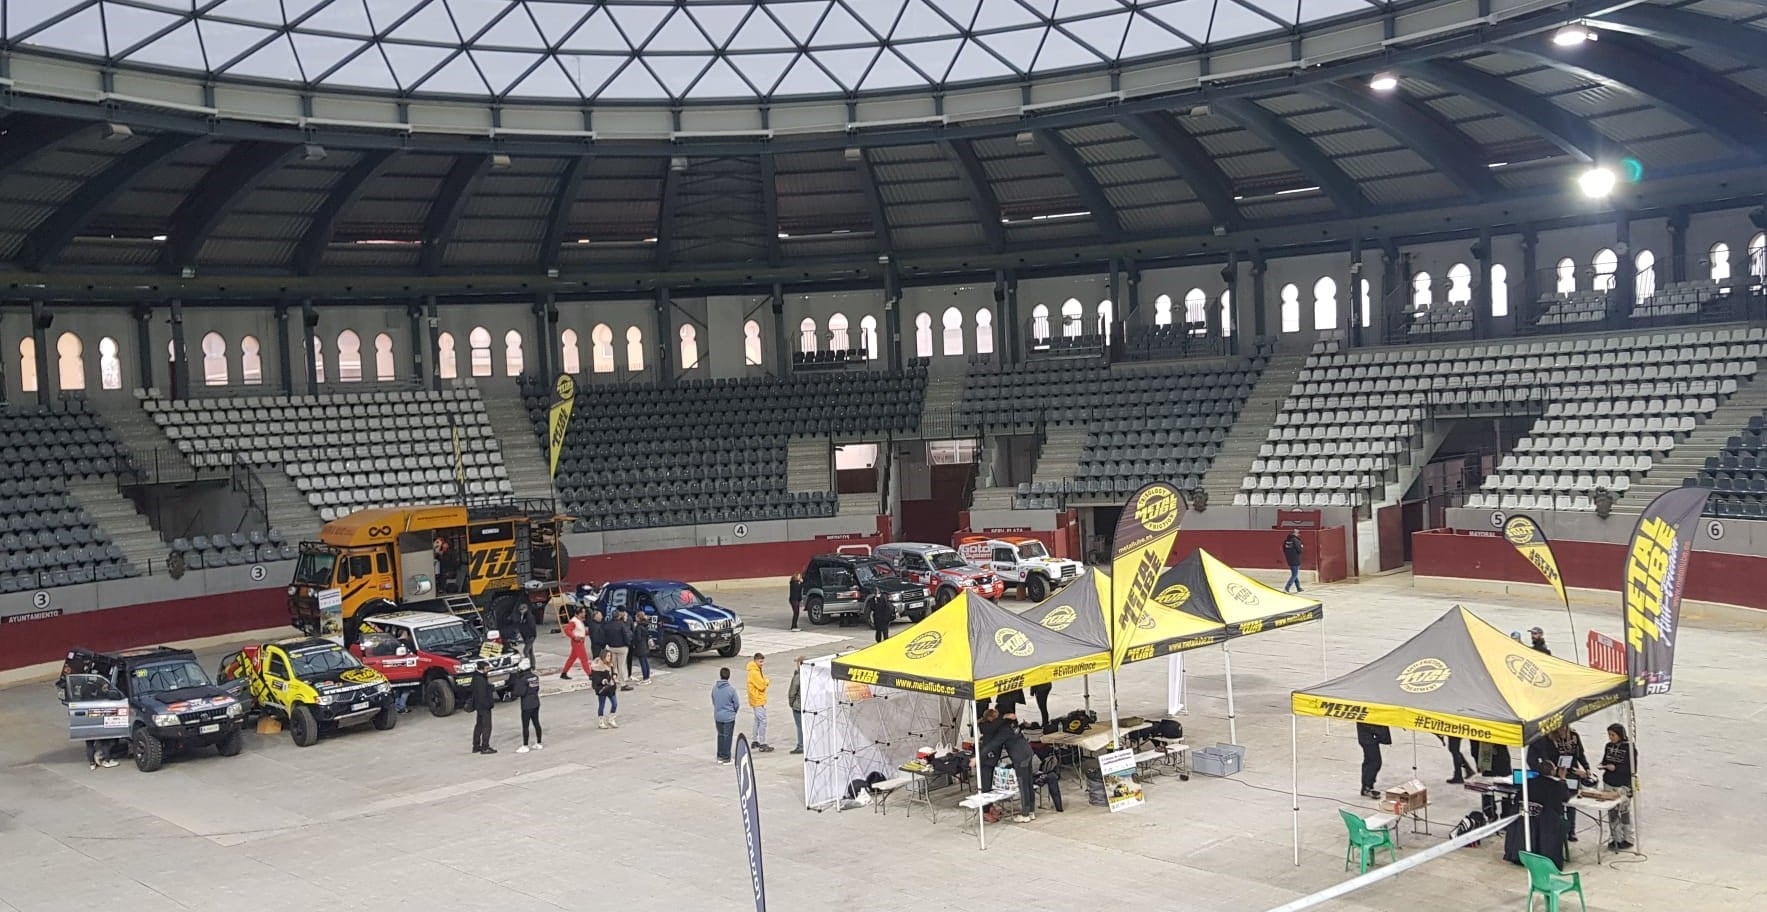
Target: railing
243,479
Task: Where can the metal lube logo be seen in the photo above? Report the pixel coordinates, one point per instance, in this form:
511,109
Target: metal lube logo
1157,509
1060,618
1014,642
1173,596
922,646
1424,676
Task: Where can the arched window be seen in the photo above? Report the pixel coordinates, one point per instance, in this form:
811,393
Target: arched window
601,353
1459,284
349,357
1162,309
923,336
868,335
1291,308
1073,318
807,335
1758,257
1606,262
110,367
480,341
1566,272
1325,303
318,360
27,364
447,367
1040,322
71,362
1107,316
1499,290
751,343
953,323
1226,313
513,363
837,333
1367,306
1719,258
251,361
984,331
1644,278
1196,312
568,353
214,359
689,347
384,369
1422,296
634,349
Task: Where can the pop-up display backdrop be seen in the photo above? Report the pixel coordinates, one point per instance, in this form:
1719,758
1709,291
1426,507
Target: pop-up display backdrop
852,730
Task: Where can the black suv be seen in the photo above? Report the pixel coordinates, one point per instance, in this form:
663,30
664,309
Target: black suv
837,585
158,700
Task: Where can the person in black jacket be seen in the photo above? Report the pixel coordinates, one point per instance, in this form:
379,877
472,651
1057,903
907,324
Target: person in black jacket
525,685
1617,759
796,597
1040,693
641,633
597,633
483,696
1537,639
528,626
1000,733
618,634
881,614
1291,554
1371,737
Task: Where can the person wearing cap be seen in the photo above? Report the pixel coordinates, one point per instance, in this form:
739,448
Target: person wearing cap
525,686
1538,640
483,695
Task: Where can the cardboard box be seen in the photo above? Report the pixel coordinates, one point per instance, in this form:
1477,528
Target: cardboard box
1405,798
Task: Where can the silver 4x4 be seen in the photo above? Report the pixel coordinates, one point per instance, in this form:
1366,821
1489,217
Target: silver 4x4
158,701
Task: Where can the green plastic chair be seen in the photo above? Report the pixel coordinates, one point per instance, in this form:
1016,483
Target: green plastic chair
1544,878
1366,841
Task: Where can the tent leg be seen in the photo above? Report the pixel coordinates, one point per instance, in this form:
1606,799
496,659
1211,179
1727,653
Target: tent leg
1632,738
1527,817
1294,787
1232,721
1324,671
975,737
1086,683
1414,753
1116,730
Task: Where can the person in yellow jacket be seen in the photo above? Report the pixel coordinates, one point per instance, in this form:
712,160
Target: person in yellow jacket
757,683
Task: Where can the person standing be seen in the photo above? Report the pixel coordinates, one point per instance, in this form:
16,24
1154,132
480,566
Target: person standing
606,682
597,633
796,598
617,639
1537,638
724,711
1462,767
757,687
1002,735
1291,554
528,626
1617,760
483,696
577,633
1371,737
641,624
794,699
525,686
881,614
1040,693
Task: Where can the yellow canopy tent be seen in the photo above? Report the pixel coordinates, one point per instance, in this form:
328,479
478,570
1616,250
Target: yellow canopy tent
1079,611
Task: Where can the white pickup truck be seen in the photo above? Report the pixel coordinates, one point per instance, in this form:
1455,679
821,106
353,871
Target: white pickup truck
1020,561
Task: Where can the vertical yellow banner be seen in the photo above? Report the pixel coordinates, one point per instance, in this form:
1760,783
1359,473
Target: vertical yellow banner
558,418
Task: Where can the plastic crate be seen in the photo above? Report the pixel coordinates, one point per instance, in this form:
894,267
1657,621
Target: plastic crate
1220,761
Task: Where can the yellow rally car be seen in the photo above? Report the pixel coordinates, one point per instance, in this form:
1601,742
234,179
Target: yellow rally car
312,685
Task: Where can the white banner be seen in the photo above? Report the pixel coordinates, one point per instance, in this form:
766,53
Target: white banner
1175,685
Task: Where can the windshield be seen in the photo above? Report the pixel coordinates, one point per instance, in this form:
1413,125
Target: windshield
168,676
314,568
446,638
320,662
872,572
1031,550
947,560
668,600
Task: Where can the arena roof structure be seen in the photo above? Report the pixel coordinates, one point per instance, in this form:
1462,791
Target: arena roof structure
624,144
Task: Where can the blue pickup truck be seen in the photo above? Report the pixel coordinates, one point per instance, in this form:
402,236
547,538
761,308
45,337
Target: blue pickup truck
683,620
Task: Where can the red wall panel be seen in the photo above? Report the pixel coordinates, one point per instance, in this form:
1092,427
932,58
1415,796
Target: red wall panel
1732,579
49,639
1325,550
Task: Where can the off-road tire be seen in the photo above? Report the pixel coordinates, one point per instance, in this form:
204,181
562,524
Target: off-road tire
231,745
915,617
675,650
945,594
303,726
813,605
387,717
1036,587
438,695
732,648
150,752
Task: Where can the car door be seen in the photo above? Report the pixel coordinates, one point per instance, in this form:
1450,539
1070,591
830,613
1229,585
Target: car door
233,678
96,710
915,569
840,589
1005,563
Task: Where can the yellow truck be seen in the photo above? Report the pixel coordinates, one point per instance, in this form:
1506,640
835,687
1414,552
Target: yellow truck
468,560
311,685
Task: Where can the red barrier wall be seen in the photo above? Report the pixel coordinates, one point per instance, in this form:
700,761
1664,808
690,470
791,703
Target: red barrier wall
702,564
46,640
1732,579
1324,551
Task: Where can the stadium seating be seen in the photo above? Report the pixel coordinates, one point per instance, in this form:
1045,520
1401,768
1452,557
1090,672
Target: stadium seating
348,451
233,549
1676,299
639,456
47,538
1737,476
1172,341
1572,309
1607,404
1442,319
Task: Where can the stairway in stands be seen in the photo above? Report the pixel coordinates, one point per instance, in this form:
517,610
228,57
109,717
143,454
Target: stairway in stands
117,516
152,451
1251,428
1688,457
1059,457
809,466
290,513
938,409
524,455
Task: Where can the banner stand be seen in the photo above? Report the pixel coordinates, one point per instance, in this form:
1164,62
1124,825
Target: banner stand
1232,723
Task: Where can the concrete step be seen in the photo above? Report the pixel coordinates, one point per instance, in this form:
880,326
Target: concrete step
992,499
864,504
524,455
1228,473
809,465
117,516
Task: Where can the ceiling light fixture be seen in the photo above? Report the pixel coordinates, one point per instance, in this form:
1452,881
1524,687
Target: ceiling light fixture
312,152
1572,35
500,161
1383,82
116,132
1597,182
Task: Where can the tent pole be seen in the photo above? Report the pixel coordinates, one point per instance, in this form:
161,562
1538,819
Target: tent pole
1527,817
1086,683
1324,671
1232,722
975,738
1294,787
1116,731
1632,743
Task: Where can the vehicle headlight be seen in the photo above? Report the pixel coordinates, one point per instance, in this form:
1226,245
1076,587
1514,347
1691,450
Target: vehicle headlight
382,687
325,699
696,625
166,720
463,668
235,710
895,596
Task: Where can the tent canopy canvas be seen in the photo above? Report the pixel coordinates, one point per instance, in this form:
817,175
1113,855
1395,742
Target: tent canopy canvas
1079,611
1203,586
974,649
1464,678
